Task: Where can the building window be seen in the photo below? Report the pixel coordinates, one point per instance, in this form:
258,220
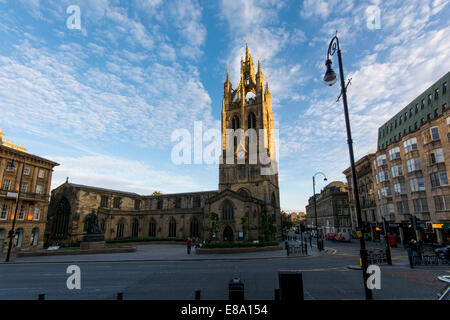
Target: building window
386,192
417,108
152,228
197,202
431,134
397,171
160,204
410,145
384,176
417,184
6,184
24,187
235,123
413,164
399,189
120,229
117,203
420,205
228,210
26,171
135,229
381,160
34,237
9,167
37,214
195,230
21,214
137,204
438,179
390,208
442,203
177,202
251,121
422,104
104,202
429,98
402,207
444,107
38,189
444,88
18,238
436,156
172,228
41,173
4,212
394,153
436,94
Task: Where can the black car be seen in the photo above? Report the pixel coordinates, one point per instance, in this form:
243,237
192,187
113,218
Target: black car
443,252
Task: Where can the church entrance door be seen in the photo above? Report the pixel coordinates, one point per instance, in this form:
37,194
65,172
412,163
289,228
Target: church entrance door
228,234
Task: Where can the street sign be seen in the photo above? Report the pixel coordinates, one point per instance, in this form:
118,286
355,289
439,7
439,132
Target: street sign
12,194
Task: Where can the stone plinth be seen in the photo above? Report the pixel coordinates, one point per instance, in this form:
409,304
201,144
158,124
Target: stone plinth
92,245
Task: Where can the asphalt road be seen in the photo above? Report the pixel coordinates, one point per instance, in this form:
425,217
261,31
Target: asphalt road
324,277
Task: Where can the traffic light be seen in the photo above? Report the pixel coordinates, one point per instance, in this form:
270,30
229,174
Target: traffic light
414,222
429,227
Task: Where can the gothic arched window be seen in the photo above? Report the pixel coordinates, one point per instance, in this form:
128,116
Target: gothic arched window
235,123
251,120
135,228
195,228
60,228
172,228
227,210
120,229
152,228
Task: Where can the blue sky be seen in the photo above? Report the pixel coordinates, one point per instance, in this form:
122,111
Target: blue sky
104,100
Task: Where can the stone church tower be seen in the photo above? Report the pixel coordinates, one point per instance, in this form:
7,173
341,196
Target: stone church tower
247,158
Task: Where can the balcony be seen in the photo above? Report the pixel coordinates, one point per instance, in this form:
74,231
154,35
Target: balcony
26,196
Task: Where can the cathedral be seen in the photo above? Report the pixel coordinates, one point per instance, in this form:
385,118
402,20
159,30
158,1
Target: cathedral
245,207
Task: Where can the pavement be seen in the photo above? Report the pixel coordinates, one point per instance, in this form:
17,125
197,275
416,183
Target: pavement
158,252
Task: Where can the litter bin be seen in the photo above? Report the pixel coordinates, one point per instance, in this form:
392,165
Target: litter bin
236,290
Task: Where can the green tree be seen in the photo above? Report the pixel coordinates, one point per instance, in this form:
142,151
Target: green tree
267,227
244,225
214,228
286,222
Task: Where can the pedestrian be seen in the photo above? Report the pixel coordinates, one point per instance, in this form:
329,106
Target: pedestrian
310,240
189,243
413,247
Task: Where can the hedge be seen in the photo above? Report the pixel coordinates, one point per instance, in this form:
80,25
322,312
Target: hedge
244,244
125,240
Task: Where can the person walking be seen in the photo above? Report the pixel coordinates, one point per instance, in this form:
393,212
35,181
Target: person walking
413,247
310,240
188,244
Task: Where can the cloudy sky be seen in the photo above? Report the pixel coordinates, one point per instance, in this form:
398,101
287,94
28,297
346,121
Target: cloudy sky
103,100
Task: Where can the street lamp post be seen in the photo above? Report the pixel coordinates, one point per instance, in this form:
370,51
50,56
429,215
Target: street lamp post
330,78
315,207
11,232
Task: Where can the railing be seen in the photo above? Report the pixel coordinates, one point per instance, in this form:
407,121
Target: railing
26,195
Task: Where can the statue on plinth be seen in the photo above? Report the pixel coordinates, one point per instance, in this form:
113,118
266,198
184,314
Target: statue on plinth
93,233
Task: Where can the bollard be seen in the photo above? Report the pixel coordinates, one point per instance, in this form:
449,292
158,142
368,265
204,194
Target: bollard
197,294
277,295
410,258
120,296
41,296
236,290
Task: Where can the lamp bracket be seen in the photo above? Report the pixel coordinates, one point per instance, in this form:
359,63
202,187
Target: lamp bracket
348,83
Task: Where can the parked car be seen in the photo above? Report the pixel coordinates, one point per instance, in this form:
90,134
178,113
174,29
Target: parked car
443,252
344,237
330,236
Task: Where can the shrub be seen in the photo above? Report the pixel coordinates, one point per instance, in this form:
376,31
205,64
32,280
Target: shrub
125,240
244,244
